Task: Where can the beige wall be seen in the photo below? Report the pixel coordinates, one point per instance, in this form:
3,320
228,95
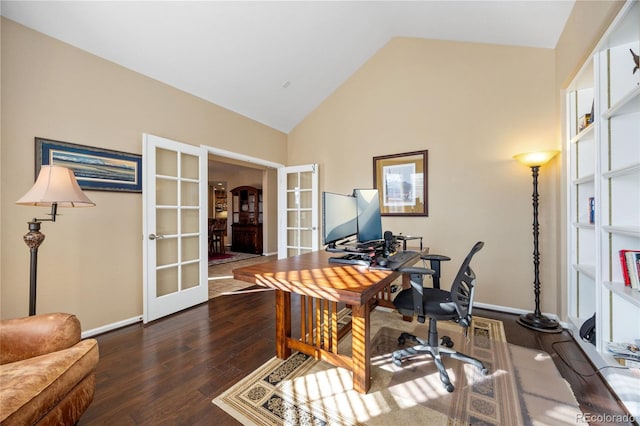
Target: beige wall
91,260
471,105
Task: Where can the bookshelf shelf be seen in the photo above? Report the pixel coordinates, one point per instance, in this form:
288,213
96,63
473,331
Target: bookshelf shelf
584,179
629,104
633,169
584,133
627,293
633,232
588,270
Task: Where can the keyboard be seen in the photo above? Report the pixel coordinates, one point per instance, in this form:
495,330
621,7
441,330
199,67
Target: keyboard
350,259
371,245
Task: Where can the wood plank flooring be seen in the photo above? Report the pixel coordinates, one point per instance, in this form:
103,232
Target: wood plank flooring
167,373
221,276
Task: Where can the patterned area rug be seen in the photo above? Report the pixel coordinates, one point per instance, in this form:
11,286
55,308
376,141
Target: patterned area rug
522,388
229,256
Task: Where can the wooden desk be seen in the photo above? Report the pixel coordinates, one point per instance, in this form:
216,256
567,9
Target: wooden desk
321,286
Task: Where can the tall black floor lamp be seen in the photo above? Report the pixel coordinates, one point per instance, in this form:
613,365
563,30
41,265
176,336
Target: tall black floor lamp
536,320
55,187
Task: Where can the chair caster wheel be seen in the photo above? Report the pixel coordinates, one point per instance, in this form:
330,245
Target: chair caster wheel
446,341
449,387
401,340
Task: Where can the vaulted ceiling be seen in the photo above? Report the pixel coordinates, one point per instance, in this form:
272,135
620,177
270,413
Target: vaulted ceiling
275,62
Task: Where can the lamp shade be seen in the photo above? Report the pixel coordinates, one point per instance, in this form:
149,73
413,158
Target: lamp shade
535,159
56,184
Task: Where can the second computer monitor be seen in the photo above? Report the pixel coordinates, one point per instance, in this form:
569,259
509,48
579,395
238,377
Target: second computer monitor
369,217
339,218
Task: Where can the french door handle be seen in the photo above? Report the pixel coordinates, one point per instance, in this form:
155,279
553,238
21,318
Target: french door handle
155,237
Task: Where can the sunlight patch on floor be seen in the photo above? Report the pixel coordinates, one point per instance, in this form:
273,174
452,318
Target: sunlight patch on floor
221,277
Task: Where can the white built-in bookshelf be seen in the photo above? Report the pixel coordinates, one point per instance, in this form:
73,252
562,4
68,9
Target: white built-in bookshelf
603,165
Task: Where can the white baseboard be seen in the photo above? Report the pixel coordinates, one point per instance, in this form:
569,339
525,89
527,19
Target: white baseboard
110,327
500,308
516,311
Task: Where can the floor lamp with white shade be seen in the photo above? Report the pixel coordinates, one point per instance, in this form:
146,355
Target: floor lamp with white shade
55,187
536,320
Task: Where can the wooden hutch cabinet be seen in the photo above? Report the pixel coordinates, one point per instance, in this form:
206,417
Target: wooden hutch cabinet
246,216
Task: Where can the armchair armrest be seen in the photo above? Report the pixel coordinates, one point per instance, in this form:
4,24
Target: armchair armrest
23,338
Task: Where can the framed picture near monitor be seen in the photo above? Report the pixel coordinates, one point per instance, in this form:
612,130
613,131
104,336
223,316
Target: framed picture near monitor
401,180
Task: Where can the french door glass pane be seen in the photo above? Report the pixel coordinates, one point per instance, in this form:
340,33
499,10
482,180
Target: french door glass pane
292,219
166,281
292,181
166,192
305,239
305,200
306,180
166,162
190,248
167,251
305,219
189,168
190,194
190,275
190,221
166,221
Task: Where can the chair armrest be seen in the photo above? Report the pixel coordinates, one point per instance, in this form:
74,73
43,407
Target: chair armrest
416,270
439,257
416,275
434,262
23,338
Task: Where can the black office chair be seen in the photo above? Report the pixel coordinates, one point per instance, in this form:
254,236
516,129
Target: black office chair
437,304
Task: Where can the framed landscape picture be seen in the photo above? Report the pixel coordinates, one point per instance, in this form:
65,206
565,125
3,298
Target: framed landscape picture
96,169
401,180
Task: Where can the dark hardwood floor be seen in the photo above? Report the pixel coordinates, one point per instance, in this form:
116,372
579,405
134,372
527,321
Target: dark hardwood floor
169,371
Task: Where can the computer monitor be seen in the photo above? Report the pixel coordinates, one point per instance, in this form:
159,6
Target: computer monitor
369,217
339,217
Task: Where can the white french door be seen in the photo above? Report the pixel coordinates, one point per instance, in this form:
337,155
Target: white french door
174,218
297,210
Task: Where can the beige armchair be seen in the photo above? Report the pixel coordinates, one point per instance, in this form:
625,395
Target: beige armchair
47,374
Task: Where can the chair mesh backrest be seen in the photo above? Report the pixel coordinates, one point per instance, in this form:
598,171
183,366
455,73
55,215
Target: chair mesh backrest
463,286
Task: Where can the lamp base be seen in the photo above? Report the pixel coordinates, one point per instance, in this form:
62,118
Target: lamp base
539,323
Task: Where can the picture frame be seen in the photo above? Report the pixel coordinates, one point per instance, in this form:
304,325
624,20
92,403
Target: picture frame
96,169
401,180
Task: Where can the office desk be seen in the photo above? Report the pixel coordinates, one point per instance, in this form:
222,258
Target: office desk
322,286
